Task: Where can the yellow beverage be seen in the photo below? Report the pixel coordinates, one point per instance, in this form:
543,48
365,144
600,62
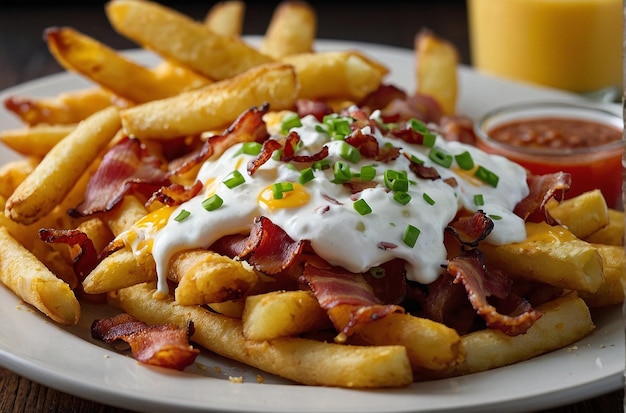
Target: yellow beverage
574,45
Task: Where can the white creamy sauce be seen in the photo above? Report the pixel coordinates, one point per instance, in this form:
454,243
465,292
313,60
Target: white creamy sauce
337,231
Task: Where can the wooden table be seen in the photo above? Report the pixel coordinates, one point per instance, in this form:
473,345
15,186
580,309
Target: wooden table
24,56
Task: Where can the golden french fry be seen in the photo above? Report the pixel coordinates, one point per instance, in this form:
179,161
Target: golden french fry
281,314
612,289
118,270
232,308
105,66
302,360
66,108
125,215
429,345
291,31
58,172
226,18
35,141
552,255
564,321
436,69
213,106
13,173
583,214
30,280
179,38
207,277
180,77
613,233
336,75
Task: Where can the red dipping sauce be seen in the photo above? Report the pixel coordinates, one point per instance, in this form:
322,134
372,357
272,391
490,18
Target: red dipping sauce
584,141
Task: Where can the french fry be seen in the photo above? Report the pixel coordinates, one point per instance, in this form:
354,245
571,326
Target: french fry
213,106
583,214
302,360
125,215
551,255
66,108
82,54
430,345
179,38
436,69
57,173
118,270
612,289
35,141
207,277
611,234
291,31
564,321
226,18
30,280
347,75
180,77
281,314
13,173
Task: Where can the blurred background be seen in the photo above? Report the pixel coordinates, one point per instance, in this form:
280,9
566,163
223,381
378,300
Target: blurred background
24,54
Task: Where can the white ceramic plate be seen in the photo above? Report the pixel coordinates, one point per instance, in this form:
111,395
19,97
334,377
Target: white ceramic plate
69,360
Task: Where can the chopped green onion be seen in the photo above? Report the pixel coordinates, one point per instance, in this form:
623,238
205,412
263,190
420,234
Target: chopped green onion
279,188
396,181
233,179
182,215
289,122
338,126
478,200
402,197
362,207
350,153
410,235
440,157
377,272
306,175
464,160
251,148
416,160
321,165
495,217
342,172
368,172
429,137
428,199
212,203
278,153
486,176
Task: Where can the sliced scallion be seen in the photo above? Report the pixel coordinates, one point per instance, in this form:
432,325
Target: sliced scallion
487,176
233,179
402,198
212,203
440,157
350,153
464,160
362,207
428,199
410,235
479,200
182,215
306,175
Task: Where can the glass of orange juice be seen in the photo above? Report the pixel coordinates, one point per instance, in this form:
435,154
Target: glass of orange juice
575,45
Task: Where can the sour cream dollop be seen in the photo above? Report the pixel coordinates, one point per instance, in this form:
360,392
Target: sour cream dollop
321,209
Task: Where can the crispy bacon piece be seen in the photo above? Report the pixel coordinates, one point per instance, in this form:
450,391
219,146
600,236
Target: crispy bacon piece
470,230
347,298
126,166
469,269
83,252
365,143
542,189
175,194
164,345
457,128
288,155
316,108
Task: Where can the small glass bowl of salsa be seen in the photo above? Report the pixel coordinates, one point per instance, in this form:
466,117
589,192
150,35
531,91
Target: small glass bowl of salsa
547,137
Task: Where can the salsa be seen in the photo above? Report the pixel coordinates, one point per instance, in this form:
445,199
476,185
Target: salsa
555,133
590,151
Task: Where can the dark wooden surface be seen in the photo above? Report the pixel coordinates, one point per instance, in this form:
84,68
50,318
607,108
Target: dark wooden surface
24,56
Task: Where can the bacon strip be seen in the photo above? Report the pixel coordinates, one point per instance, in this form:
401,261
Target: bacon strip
347,298
83,252
470,230
542,189
469,269
126,166
164,345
